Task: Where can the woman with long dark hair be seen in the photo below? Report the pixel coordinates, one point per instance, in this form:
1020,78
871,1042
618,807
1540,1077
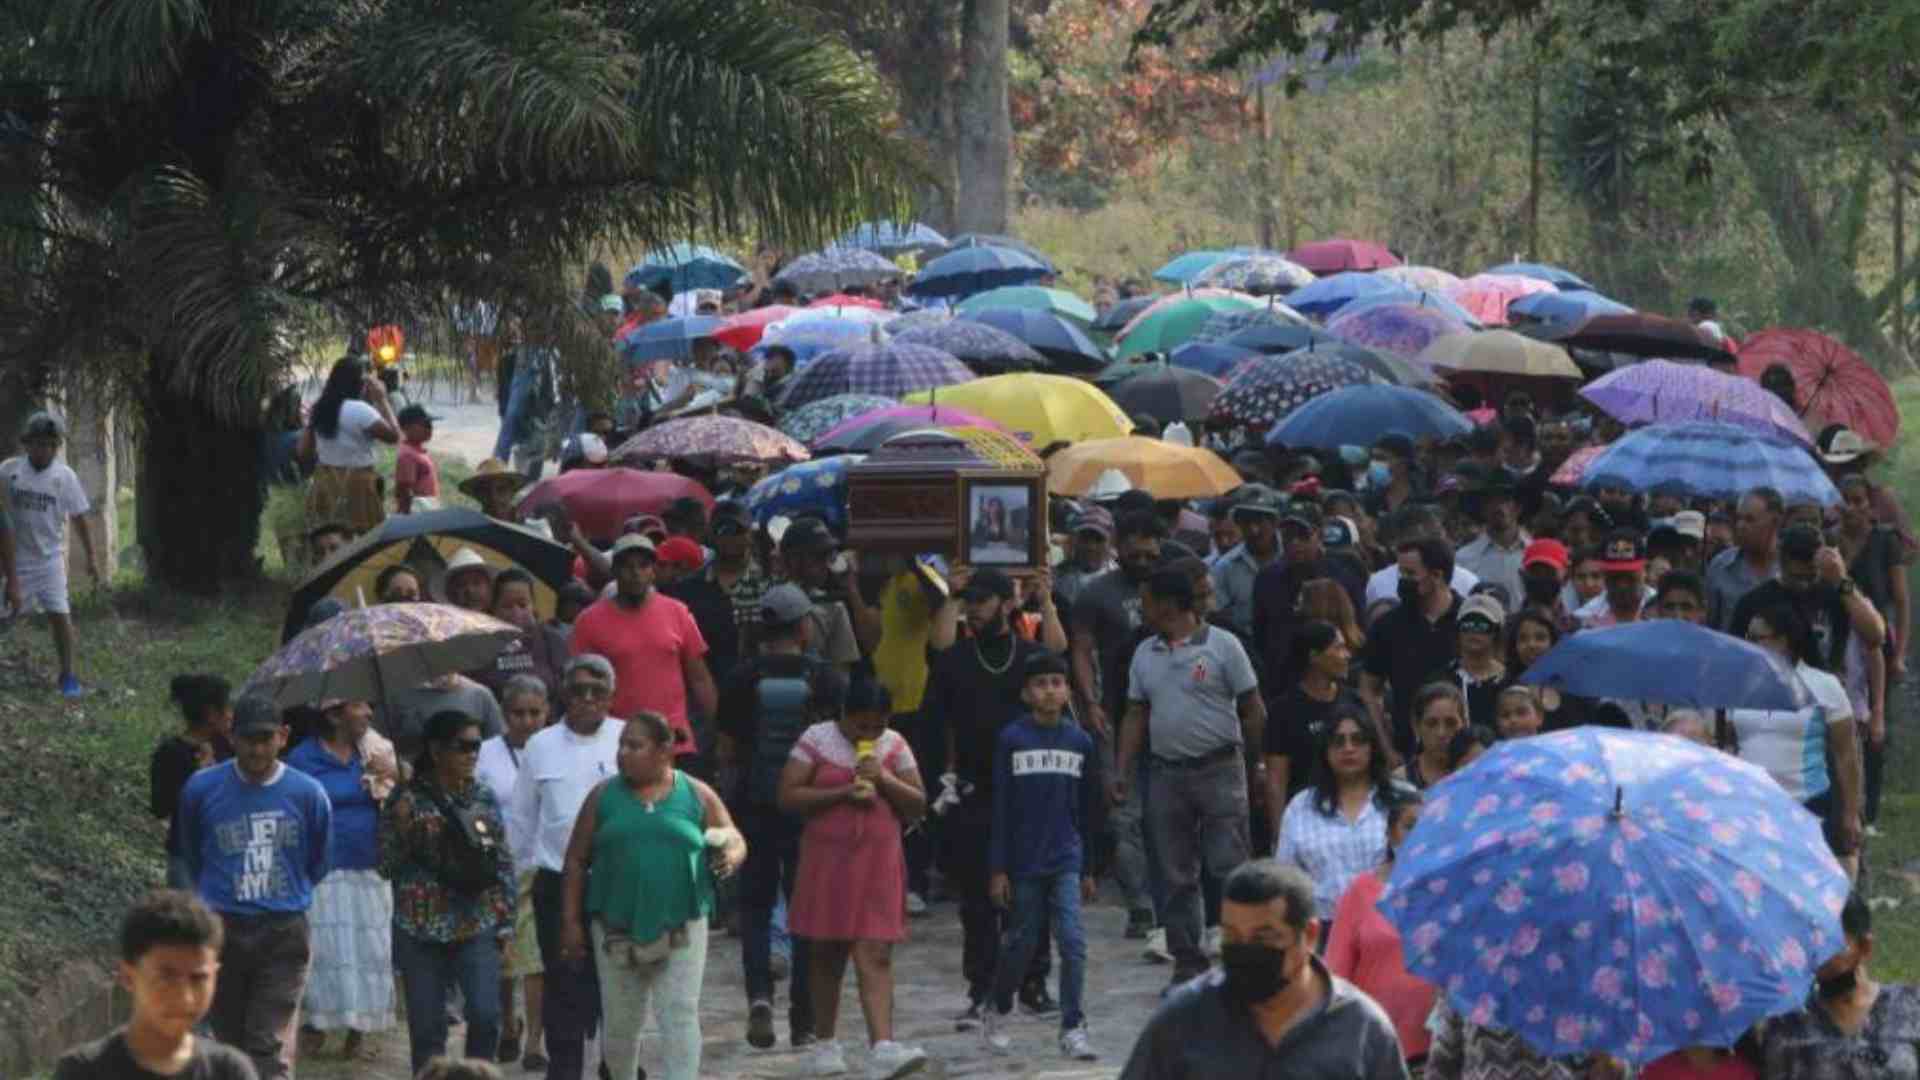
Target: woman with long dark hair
351,414
1336,829
1531,634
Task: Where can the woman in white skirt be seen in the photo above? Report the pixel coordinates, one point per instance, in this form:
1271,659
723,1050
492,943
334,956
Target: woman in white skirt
350,985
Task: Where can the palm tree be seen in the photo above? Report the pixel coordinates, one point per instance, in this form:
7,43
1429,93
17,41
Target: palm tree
191,183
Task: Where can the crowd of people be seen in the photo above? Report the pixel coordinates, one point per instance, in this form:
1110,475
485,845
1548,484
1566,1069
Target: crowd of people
1227,709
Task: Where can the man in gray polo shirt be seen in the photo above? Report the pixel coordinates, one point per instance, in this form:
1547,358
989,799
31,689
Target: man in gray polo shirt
1194,704
1273,1009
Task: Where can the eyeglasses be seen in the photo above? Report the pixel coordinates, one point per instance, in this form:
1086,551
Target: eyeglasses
464,746
1351,738
589,691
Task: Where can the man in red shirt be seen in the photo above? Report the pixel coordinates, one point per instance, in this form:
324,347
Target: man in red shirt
415,476
653,643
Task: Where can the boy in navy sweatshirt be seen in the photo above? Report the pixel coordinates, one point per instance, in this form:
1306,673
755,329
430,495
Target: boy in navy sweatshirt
1045,787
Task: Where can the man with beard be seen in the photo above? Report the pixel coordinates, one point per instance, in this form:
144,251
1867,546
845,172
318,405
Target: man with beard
1497,553
973,691
1272,995
655,647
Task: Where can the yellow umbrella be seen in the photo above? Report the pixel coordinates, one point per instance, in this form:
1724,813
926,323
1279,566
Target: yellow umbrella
1163,469
1498,352
1043,409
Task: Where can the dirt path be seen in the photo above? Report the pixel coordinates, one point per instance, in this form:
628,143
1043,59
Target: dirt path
1122,990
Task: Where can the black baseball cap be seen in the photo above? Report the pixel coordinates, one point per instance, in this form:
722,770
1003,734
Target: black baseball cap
807,535
986,583
416,414
255,715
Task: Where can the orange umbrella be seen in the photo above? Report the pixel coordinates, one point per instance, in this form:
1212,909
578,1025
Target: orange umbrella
1165,470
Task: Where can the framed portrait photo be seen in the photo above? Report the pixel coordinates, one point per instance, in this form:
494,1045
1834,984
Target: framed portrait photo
999,524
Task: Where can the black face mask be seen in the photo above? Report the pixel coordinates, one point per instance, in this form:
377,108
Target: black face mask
1541,590
1839,986
1409,593
1255,973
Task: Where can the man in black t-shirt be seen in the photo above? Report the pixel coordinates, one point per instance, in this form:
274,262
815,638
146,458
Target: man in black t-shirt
1813,578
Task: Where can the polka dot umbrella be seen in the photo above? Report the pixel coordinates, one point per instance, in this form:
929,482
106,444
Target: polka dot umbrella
1266,390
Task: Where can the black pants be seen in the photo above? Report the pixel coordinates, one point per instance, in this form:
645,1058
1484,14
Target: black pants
773,859
263,975
968,838
929,752
570,993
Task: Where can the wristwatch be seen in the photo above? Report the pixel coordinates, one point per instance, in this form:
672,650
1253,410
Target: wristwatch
1848,586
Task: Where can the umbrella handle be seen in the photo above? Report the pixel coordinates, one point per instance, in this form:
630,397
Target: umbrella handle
1619,798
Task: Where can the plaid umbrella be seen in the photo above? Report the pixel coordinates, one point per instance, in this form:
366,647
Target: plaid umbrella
1401,329
815,419
361,654
1664,392
988,350
710,439
1705,459
1266,390
837,268
891,370
1261,274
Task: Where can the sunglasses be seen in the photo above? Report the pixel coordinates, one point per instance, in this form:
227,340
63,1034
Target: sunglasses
589,691
465,746
1347,739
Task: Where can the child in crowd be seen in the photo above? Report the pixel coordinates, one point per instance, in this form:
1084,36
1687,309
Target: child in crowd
42,496
205,703
169,960
416,479
1046,791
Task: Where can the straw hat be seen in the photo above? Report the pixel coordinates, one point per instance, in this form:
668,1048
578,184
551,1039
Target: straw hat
491,471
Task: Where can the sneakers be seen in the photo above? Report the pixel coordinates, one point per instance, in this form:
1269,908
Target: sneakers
970,1020
70,686
1157,946
1139,923
889,1060
1210,942
1075,1046
800,1040
1036,1001
993,1032
916,905
760,1024
826,1059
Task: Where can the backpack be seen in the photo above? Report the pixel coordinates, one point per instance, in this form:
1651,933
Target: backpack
468,859
783,710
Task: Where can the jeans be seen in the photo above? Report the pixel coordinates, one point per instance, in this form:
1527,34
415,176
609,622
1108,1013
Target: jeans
1197,816
773,858
514,415
1038,902
967,839
671,991
1132,869
570,993
425,968
263,975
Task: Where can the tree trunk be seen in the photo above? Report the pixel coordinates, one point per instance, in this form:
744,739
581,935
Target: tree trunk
1263,168
984,120
926,103
199,490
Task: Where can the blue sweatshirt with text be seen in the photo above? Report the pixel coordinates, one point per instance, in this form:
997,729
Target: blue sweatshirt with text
255,849
1044,785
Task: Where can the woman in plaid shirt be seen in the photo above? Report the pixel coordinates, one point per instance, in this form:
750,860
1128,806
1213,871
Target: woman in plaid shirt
1336,829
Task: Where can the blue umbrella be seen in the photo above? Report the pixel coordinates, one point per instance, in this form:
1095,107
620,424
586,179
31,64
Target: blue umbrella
685,266
1182,269
1211,357
888,370
1360,415
1707,459
836,268
974,270
1568,309
1058,339
816,418
1331,293
988,350
1671,662
888,236
1418,298
967,240
1559,278
817,487
1276,337
666,339
1597,890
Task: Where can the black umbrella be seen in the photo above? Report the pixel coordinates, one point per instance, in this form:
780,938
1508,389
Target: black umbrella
1164,392
1276,338
1635,333
966,240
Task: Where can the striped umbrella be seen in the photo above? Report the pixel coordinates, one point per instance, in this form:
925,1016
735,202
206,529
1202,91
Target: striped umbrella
1706,459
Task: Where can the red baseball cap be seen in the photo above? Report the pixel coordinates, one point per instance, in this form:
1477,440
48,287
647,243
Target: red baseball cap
1549,551
1623,552
681,551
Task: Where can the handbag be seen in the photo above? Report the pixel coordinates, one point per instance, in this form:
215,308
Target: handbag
469,847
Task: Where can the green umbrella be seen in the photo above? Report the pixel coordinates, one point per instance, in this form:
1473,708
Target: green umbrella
1176,324
1032,298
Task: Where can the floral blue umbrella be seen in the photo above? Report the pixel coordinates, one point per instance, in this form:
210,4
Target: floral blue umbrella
889,237
1598,890
1360,415
1706,459
685,266
889,370
967,271
815,419
837,268
811,487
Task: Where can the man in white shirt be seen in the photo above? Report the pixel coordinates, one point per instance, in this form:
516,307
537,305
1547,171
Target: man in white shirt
42,495
558,768
524,701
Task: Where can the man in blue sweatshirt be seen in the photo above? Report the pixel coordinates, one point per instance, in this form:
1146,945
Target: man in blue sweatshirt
256,838
1046,791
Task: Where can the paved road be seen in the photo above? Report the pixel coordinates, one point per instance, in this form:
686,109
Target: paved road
1122,992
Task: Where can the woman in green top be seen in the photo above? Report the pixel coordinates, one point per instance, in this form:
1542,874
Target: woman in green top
639,872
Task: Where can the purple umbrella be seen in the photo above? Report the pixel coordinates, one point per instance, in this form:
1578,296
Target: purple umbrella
1662,392
1400,329
914,415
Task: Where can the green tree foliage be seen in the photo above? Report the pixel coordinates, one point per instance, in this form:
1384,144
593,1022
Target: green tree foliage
190,181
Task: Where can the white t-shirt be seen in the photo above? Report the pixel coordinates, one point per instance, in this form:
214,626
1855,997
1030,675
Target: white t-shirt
557,770
351,446
40,504
1792,746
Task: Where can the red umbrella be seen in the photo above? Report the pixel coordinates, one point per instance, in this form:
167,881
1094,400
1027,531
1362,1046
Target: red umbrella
1340,253
1834,384
599,500
841,299
742,332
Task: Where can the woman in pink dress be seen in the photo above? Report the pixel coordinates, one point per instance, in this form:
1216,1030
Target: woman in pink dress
855,782
1364,948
